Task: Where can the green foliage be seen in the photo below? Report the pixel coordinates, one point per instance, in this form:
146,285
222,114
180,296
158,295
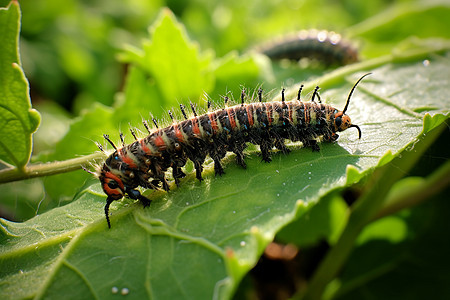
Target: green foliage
170,37
18,121
200,240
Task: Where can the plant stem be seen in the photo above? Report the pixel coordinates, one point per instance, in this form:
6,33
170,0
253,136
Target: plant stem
45,169
435,183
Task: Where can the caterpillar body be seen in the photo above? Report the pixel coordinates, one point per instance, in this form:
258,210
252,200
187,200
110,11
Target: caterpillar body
325,46
267,124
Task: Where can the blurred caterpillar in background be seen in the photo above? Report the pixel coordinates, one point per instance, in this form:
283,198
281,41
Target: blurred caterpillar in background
326,47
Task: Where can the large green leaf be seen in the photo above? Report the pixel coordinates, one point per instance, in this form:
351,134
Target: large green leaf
17,119
199,240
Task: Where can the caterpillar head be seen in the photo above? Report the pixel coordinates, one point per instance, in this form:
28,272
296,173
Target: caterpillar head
112,184
341,120
115,173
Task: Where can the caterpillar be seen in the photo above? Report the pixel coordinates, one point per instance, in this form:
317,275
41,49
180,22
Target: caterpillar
325,46
267,124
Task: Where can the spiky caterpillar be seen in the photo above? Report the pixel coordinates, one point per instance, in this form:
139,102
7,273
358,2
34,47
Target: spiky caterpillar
325,46
267,124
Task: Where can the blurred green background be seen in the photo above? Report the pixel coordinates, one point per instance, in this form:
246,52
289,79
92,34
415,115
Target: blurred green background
69,50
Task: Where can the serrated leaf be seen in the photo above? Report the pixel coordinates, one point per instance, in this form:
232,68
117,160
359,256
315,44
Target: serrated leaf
141,97
17,119
173,61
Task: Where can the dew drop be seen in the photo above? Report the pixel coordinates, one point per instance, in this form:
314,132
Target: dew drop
277,171
426,62
242,243
125,291
114,290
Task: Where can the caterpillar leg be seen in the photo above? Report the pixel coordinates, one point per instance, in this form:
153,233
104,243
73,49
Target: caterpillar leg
280,145
239,151
240,159
144,182
145,201
265,151
177,174
197,154
217,152
136,195
218,169
159,174
165,183
314,145
334,137
154,184
177,162
198,169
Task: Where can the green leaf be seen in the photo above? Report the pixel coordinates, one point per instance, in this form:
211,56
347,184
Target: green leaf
173,61
232,70
18,120
200,239
140,97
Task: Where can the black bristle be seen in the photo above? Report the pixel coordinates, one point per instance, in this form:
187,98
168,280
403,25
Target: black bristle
183,111
299,92
109,140
260,91
193,109
146,125
171,115
133,133
155,122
